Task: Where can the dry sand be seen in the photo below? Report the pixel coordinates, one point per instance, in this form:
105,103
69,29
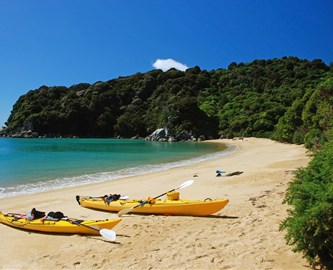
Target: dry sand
244,235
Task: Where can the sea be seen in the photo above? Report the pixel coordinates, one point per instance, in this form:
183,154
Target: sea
30,166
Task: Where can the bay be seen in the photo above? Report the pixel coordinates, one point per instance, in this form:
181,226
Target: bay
35,165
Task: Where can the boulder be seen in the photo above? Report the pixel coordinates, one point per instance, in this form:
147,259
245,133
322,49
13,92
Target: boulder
158,134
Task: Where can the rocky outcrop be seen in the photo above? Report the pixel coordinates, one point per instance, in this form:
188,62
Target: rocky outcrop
158,135
24,134
162,134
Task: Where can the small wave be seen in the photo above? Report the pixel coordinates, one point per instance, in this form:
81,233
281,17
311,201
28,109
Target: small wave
60,183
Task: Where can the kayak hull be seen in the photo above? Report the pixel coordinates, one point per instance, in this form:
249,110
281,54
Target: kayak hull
160,207
62,226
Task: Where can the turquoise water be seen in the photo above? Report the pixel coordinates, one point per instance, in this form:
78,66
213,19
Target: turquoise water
34,165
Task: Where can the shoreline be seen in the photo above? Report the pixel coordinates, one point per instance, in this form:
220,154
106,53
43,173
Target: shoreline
70,179
244,235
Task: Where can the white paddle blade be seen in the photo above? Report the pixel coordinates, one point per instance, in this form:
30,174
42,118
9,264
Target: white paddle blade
125,211
108,234
186,184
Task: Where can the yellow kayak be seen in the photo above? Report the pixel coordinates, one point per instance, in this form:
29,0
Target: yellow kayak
157,207
63,226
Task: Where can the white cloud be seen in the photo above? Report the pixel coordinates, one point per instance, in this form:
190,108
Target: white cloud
166,64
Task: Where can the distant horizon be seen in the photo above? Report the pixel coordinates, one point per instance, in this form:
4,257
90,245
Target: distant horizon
64,43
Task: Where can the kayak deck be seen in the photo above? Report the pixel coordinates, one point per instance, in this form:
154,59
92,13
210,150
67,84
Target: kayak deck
63,226
158,207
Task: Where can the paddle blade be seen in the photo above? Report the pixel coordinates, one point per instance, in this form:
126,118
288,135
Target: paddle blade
185,184
125,211
108,234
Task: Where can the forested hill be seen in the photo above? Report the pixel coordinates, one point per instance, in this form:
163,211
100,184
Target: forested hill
286,99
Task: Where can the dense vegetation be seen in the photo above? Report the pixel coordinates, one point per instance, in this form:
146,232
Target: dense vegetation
310,222
288,99
278,98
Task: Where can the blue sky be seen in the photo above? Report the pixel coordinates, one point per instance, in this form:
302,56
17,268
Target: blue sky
66,42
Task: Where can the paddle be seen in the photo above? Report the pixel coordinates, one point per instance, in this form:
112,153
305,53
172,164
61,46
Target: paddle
107,234
127,210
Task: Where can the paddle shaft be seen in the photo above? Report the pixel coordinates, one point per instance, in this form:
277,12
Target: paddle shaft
79,224
125,211
154,198
106,233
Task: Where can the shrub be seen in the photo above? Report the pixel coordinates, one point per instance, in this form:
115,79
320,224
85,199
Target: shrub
309,224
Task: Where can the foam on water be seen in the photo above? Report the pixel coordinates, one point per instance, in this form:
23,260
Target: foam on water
60,183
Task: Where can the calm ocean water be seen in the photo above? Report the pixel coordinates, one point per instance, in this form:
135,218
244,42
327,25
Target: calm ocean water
34,165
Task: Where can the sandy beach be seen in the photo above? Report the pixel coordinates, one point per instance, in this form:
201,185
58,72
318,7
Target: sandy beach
244,235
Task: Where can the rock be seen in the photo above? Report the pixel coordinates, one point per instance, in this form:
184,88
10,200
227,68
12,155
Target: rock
157,135
184,136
